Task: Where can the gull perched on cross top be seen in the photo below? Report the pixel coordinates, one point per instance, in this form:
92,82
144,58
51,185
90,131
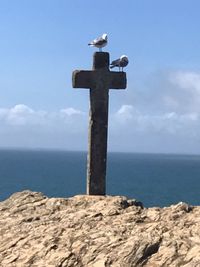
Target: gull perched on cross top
100,42
120,62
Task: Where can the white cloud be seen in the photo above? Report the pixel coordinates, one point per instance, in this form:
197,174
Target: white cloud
184,91
161,116
71,111
125,113
187,80
165,117
22,115
23,126
128,120
167,91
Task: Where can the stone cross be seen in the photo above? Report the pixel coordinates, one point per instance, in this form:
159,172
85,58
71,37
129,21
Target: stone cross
99,81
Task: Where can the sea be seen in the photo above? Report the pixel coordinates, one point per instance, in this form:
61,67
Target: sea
154,179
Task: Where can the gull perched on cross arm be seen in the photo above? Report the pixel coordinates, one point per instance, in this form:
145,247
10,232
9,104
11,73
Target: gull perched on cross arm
120,62
100,42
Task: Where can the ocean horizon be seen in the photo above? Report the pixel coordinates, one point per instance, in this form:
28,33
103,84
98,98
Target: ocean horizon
154,179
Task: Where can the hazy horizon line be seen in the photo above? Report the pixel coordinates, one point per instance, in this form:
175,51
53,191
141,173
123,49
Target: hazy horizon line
43,149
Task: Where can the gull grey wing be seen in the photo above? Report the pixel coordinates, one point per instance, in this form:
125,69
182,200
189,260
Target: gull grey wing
115,62
99,41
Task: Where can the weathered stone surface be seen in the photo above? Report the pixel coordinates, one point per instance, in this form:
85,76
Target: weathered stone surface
99,81
96,231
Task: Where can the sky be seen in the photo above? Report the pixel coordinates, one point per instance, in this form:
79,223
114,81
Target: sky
43,41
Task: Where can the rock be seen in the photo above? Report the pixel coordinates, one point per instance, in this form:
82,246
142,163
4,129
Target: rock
96,231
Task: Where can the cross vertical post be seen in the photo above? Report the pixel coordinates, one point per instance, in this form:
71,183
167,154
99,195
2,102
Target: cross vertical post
98,129
99,81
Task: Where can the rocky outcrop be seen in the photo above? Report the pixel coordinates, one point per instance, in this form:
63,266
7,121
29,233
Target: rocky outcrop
96,231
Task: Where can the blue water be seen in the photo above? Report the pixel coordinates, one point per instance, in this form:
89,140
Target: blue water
156,180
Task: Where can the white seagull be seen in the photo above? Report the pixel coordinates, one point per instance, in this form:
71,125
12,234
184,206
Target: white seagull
120,62
100,42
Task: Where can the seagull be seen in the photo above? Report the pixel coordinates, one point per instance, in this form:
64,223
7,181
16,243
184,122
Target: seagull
100,42
120,62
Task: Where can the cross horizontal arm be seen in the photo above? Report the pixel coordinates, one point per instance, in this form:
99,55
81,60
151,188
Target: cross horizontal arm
88,79
83,79
117,80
